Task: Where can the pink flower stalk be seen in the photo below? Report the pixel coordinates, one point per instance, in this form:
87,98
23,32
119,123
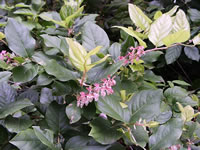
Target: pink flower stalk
96,90
134,54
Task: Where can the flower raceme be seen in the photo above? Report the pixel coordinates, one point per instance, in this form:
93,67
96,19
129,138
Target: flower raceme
7,57
96,90
134,54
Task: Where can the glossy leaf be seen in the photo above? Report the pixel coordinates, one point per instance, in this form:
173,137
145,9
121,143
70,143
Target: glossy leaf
172,54
60,72
166,135
111,106
93,36
145,105
27,140
73,112
19,38
192,53
102,131
14,107
5,75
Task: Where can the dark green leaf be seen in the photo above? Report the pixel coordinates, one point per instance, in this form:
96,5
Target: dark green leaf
14,107
56,118
166,135
151,56
25,73
18,124
194,15
103,132
93,36
19,38
178,94
110,106
164,117
172,54
60,72
46,137
192,53
145,105
73,112
150,76
51,41
102,71
5,75
60,88
27,140
7,94
44,79
115,50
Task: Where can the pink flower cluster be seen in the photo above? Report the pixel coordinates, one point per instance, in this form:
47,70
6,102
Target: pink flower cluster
175,147
96,90
6,56
134,54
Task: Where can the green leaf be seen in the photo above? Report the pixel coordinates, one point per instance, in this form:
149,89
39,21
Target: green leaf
196,39
22,5
164,117
173,53
27,140
194,15
160,29
46,137
166,135
157,15
51,41
151,56
115,50
150,76
103,132
24,11
53,17
178,94
100,72
19,38
141,136
7,94
192,53
177,37
180,82
145,105
14,107
5,75
44,79
73,112
110,106
93,36
56,118
18,124
181,22
133,34
25,73
138,17
60,72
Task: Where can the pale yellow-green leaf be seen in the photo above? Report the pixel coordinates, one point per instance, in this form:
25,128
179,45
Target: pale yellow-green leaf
181,22
74,15
140,35
90,66
123,105
160,29
77,54
138,17
93,52
172,11
123,95
196,39
2,36
152,124
132,33
187,112
177,37
157,15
